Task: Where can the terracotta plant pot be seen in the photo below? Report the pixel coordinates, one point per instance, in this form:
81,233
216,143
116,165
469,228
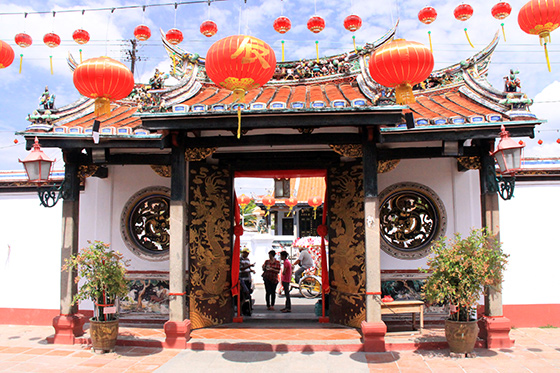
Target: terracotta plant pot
104,334
461,335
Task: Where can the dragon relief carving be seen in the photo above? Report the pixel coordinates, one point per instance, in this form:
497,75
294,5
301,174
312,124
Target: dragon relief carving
210,252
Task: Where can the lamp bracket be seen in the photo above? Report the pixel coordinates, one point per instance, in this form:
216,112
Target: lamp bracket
49,196
503,185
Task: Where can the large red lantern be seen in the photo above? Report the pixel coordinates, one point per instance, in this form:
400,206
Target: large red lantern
540,17
268,201
80,36
23,40
104,80
240,63
291,203
352,23
6,54
174,36
208,28
401,64
427,15
51,39
316,24
282,24
142,32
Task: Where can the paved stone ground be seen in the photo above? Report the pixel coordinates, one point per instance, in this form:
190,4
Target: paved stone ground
24,349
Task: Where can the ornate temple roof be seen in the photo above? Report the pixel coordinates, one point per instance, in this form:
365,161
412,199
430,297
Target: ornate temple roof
458,95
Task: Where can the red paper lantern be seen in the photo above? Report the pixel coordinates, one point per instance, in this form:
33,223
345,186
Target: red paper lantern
540,17
268,201
427,15
208,28
315,202
282,24
52,40
291,203
105,80
6,54
23,40
501,10
401,64
142,32
521,142
174,36
540,142
243,200
316,24
463,12
80,36
558,141
352,23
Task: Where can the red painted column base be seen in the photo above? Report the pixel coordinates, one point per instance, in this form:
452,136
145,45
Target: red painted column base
177,334
67,328
373,334
495,329
324,320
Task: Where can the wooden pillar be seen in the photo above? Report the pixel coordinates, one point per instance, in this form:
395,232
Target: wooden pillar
373,329
494,326
177,329
69,324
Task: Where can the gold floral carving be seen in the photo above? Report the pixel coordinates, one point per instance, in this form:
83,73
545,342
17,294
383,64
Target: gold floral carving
387,166
470,163
210,245
198,154
346,244
348,150
161,170
86,171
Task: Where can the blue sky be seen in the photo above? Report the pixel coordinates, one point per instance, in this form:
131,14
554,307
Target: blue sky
19,93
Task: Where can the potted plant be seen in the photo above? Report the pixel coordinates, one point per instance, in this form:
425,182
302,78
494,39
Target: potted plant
104,273
460,271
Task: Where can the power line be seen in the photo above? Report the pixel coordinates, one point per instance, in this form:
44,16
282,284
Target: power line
112,9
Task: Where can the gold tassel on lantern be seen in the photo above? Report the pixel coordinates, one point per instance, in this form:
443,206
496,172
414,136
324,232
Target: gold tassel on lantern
51,65
354,40
547,59
282,50
430,38
317,48
504,32
403,94
20,62
102,106
469,39
239,95
81,56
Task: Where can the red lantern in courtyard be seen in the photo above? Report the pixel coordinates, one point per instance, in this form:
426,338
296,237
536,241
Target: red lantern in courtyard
174,36
401,64
51,39
243,200
352,23
208,28
142,32
315,202
540,17
268,201
6,54
427,15
316,24
291,203
282,24
104,80
23,40
240,63
80,36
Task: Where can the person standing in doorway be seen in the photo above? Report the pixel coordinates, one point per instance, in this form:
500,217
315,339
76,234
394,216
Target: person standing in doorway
305,261
286,278
271,268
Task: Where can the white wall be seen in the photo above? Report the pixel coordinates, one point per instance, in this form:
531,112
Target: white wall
30,239
459,192
529,231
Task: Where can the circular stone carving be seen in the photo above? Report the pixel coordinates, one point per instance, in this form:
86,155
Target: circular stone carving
411,217
145,223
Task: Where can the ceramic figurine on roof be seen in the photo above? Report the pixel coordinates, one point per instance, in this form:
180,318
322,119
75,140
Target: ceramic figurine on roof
512,82
47,100
157,81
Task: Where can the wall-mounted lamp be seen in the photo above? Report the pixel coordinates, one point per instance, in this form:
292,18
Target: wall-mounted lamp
508,154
